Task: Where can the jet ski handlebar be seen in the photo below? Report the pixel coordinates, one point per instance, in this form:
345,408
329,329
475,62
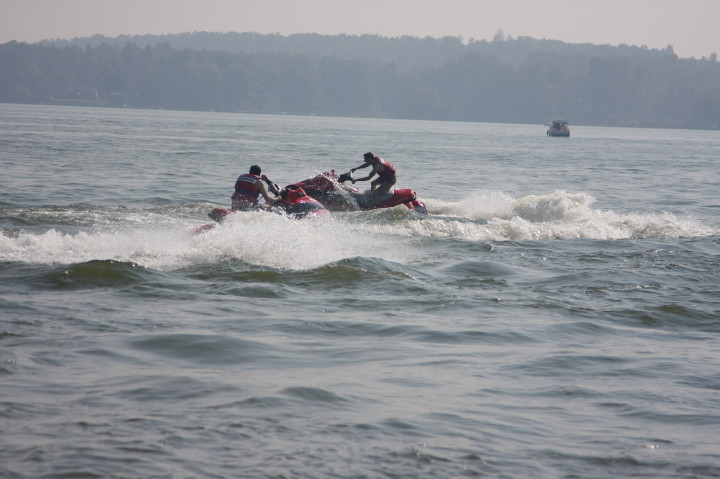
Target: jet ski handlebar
345,177
272,187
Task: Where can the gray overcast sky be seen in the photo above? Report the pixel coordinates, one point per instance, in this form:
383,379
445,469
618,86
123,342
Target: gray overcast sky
692,27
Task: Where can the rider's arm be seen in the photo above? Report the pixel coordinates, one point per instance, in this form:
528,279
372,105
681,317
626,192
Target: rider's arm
264,193
372,173
364,165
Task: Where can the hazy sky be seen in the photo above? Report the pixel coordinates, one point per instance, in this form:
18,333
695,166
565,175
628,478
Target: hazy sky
692,27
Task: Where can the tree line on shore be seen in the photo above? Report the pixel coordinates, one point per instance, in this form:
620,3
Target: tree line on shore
521,80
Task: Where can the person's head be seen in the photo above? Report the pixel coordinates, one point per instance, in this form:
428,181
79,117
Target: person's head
255,170
368,157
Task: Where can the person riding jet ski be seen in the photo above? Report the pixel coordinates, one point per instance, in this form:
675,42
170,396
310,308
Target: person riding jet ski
248,189
385,171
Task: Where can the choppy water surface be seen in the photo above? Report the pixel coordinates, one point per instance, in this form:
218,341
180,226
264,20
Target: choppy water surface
556,315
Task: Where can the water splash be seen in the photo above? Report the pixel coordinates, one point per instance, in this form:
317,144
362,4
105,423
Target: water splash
394,234
557,215
254,237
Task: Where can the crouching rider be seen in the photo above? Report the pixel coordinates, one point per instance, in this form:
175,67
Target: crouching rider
386,175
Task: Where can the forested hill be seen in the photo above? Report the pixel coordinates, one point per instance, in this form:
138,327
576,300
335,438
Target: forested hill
520,80
404,52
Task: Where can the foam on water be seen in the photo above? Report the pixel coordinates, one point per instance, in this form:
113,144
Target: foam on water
257,238
280,242
557,215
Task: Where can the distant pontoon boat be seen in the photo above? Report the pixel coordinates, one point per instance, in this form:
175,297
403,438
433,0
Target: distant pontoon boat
559,128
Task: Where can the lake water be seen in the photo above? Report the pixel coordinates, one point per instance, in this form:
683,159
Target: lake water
556,315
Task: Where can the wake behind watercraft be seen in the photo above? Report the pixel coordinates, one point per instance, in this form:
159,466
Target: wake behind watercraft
294,202
329,188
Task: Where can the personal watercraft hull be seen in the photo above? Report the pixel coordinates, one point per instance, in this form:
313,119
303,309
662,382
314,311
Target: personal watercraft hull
330,190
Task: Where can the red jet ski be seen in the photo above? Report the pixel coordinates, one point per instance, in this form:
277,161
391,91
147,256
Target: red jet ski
334,195
328,187
294,202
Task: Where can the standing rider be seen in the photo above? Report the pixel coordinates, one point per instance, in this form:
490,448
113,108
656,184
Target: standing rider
248,189
385,171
